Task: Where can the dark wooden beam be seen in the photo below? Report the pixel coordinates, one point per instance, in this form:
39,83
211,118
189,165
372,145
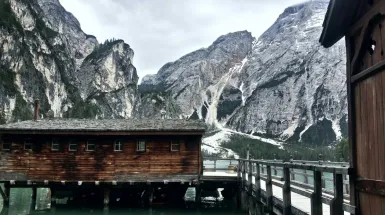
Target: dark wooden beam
269,191
336,205
368,72
379,8
351,123
316,196
376,187
286,192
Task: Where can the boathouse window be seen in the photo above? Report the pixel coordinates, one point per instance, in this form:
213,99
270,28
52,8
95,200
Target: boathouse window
6,146
28,144
175,146
118,145
55,145
90,145
73,146
141,146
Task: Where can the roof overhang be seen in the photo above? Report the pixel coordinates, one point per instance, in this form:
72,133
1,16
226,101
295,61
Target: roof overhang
101,133
339,17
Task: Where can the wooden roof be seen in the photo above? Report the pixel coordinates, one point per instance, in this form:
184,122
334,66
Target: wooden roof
340,15
107,125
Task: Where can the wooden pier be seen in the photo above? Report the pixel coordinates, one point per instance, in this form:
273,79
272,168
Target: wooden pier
274,187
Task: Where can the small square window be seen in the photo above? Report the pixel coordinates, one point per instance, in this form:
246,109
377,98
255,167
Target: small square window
6,146
141,146
73,146
175,146
55,145
118,146
27,145
90,145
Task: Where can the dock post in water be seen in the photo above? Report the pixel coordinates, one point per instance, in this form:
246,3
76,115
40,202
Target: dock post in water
34,197
198,194
7,193
106,200
53,198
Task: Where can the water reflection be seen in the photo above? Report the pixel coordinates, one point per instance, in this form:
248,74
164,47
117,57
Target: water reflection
21,204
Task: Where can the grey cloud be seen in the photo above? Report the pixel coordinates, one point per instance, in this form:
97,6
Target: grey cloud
160,31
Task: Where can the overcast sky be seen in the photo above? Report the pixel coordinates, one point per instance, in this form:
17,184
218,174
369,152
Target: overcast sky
160,31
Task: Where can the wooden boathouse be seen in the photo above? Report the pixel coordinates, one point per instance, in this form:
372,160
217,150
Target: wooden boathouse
64,154
362,23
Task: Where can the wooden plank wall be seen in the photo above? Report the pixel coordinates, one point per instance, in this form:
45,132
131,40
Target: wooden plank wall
369,94
103,164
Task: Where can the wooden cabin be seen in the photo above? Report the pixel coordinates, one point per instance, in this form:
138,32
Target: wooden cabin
118,151
362,23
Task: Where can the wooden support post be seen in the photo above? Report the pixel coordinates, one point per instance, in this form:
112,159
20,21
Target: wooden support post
5,197
198,194
7,193
239,169
269,191
34,197
316,201
258,183
259,206
53,198
244,179
286,192
150,193
336,205
250,178
106,200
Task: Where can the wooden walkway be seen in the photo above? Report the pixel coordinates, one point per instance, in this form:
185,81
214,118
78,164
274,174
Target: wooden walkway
284,193
299,201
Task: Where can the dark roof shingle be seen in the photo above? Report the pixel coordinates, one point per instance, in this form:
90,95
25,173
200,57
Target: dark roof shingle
106,125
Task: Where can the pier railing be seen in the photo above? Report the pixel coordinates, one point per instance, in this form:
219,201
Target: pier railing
321,181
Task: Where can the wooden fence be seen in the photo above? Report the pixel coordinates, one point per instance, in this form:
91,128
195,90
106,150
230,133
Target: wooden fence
307,178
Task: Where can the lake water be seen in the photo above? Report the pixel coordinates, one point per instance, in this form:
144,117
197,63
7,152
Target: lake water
20,204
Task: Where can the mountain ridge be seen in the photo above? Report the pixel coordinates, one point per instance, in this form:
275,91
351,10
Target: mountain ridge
282,85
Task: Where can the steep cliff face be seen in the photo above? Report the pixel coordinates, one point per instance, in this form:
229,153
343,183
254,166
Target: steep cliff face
196,81
293,88
45,55
283,85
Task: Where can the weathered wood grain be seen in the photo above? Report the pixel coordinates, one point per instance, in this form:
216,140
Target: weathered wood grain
102,164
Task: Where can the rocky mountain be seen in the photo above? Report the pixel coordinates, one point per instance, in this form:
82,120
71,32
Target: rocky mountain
44,54
198,81
283,85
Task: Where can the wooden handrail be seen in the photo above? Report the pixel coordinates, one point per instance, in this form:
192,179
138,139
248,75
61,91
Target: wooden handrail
257,168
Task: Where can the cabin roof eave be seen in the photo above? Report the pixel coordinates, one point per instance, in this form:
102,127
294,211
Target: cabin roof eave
111,126
338,19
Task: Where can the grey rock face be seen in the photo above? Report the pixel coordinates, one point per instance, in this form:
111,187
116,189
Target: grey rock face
196,80
45,55
293,88
283,85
